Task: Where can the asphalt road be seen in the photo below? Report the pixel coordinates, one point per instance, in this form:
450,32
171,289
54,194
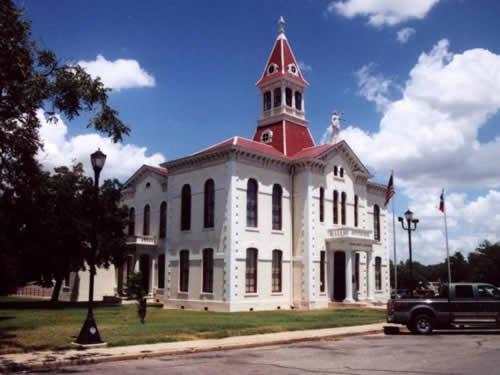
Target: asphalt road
475,353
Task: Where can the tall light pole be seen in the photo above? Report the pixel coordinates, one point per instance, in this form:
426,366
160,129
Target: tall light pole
89,334
409,220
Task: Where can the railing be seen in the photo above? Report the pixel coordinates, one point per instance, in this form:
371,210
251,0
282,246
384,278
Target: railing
142,240
282,109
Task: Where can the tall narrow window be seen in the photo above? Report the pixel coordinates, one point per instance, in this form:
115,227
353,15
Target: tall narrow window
378,273
208,270
355,210
131,222
251,271
184,270
209,204
321,205
335,170
335,207
376,222
356,270
145,226
276,271
186,208
161,271
267,100
341,172
277,215
277,96
298,100
288,96
343,211
322,280
163,219
252,191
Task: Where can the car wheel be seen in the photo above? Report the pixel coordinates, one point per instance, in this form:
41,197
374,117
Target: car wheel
422,324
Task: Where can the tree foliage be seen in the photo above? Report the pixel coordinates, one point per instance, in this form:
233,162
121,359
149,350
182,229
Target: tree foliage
481,265
135,290
33,78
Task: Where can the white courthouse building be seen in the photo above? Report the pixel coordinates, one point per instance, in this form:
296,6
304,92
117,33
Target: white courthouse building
273,222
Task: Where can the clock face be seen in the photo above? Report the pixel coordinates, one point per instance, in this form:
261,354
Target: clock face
92,330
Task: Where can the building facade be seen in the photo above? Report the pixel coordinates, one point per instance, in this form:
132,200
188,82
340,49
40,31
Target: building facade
276,222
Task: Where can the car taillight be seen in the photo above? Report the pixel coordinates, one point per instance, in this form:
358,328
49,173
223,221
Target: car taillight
393,307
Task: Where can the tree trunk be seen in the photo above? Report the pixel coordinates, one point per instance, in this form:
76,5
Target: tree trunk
56,290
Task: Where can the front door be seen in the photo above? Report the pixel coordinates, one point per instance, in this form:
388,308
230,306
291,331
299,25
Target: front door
339,276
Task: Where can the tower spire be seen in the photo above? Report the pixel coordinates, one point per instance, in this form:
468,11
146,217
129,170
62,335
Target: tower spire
282,24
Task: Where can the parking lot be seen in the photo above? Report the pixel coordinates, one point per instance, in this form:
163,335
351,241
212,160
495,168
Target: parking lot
444,353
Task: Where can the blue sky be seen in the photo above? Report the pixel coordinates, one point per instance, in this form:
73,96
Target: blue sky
197,63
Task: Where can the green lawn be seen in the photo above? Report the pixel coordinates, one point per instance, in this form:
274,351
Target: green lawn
45,329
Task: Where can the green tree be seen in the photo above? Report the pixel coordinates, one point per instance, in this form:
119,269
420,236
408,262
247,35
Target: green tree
135,290
32,78
485,263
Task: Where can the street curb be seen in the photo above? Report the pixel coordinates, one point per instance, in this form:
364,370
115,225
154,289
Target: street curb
18,367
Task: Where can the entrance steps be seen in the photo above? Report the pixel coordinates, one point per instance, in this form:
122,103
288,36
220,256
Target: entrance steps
355,305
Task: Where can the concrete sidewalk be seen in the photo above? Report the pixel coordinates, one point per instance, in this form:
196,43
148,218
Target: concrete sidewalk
52,360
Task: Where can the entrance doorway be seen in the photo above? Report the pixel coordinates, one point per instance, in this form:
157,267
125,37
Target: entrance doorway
339,276
144,268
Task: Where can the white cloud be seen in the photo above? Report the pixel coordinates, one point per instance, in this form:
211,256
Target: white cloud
374,88
118,74
122,159
429,136
304,67
405,34
383,12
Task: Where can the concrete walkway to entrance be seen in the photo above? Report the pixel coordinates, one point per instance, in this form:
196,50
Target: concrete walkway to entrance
52,359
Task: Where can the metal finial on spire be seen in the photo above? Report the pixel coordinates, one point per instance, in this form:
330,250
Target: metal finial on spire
282,25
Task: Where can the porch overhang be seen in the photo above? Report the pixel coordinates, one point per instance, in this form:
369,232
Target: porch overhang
351,236
139,240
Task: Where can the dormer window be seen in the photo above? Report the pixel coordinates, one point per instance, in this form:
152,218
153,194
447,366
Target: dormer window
148,185
267,136
293,69
272,68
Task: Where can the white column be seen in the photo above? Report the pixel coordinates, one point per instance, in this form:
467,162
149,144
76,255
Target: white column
136,263
293,99
303,103
348,277
154,271
370,276
308,242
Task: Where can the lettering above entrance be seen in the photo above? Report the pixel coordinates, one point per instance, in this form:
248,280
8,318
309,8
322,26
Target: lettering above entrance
351,236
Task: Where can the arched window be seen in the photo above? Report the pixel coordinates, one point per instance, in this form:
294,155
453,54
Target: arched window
335,207
252,191
335,170
276,271
163,219
321,205
277,215
277,96
298,100
267,100
343,204
147,214
184,271
355,210
251,271
341,172
376,222
208,270
378,273
131,222
209,204
288,96
186,207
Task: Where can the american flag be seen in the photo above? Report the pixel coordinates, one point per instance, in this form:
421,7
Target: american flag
441,202
390,191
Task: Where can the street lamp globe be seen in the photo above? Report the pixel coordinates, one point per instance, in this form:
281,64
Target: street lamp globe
408,215
98,159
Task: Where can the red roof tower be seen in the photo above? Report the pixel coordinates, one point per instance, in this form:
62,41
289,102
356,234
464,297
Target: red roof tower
282,123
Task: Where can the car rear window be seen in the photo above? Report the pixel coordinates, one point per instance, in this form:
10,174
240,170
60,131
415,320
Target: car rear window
464,291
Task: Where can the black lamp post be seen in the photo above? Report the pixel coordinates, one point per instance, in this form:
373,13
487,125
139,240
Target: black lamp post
89,334
409,220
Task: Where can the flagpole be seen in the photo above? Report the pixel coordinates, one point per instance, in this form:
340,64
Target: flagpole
394,244
447,247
